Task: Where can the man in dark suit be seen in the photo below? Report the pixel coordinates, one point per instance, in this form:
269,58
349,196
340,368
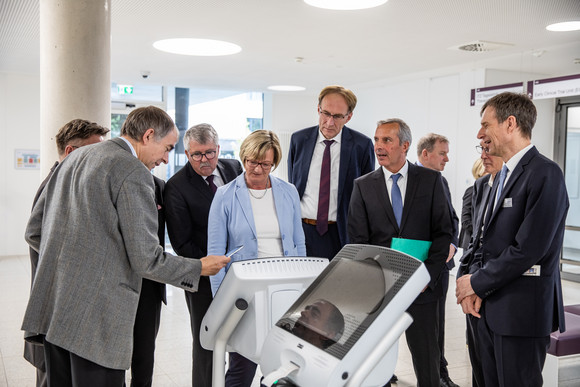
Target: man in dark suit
148,315
432,151
404,200
73,135
188,197
323,162
481,190
515,285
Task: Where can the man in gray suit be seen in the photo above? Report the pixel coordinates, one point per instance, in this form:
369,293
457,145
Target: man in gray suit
73,135
95,228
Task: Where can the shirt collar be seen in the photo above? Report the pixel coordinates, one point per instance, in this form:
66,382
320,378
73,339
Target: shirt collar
321,138
513,162
403,171
130,146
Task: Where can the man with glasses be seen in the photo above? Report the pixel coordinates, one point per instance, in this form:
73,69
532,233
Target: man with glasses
481,190
188,196
323,162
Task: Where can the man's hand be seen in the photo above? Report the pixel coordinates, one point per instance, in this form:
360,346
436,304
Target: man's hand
452,250
211,264
471,305
463,288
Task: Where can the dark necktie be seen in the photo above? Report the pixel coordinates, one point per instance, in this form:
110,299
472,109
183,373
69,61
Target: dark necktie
324,191
397,199
502,176
211,184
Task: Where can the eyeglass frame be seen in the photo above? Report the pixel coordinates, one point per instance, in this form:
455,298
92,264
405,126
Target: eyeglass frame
479,149
335,117
198,156
254,164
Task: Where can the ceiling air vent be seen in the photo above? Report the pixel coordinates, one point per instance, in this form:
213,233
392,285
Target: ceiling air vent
480,46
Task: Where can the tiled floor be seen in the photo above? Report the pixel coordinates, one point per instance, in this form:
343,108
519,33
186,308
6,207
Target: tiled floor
173,354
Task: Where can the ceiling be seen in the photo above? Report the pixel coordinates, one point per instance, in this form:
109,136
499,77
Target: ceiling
353,48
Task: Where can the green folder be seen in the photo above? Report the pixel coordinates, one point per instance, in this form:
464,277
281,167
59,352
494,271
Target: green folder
414,247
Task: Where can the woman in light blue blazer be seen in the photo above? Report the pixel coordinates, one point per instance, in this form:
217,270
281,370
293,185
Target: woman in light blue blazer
259,212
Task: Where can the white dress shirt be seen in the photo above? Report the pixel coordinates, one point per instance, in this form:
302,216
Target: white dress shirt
309,202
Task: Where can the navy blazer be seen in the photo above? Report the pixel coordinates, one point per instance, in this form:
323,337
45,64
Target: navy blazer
356,159
526,229
479,197
426,216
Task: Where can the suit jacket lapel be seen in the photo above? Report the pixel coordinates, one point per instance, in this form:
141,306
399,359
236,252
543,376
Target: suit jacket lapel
514,176
243,198
199,183
308,143
412,184
345,153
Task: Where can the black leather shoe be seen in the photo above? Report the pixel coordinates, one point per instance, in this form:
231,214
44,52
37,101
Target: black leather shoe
447,382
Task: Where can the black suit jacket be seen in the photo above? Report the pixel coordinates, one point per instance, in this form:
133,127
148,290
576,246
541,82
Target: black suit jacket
187,202
356,159
159,187
479,200
371,219
526,228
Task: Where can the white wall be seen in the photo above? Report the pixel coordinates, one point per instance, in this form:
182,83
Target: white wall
428,104
19,129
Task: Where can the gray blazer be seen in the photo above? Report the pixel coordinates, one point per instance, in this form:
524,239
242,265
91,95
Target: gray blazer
95,228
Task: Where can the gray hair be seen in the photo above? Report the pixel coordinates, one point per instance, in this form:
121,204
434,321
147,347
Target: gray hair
428,142
200,133
404,130
142,119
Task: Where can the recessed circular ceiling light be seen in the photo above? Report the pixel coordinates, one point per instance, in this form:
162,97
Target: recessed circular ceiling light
286,88
345,5
198,47
564,26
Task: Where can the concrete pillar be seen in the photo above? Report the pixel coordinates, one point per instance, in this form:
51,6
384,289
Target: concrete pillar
75,68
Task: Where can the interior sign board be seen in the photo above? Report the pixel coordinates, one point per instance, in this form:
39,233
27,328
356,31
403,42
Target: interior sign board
554,87
481,95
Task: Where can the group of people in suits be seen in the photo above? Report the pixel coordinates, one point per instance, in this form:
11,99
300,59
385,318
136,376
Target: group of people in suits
91,277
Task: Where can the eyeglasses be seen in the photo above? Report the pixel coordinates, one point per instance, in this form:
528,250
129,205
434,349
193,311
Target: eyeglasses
481,149
265,166
197,156
335,117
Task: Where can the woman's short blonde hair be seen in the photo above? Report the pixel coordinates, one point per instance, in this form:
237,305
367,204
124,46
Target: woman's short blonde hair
478,170
255,146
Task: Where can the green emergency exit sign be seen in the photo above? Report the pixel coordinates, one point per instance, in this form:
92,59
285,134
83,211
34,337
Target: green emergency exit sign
125,89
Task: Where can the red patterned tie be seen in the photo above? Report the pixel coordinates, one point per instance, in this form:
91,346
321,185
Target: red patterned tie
324,191
212,185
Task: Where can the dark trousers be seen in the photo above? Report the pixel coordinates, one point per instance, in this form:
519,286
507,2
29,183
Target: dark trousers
65,369
473,348
145,331
323,246
443,372
510,360
198,304
241,371
422,339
